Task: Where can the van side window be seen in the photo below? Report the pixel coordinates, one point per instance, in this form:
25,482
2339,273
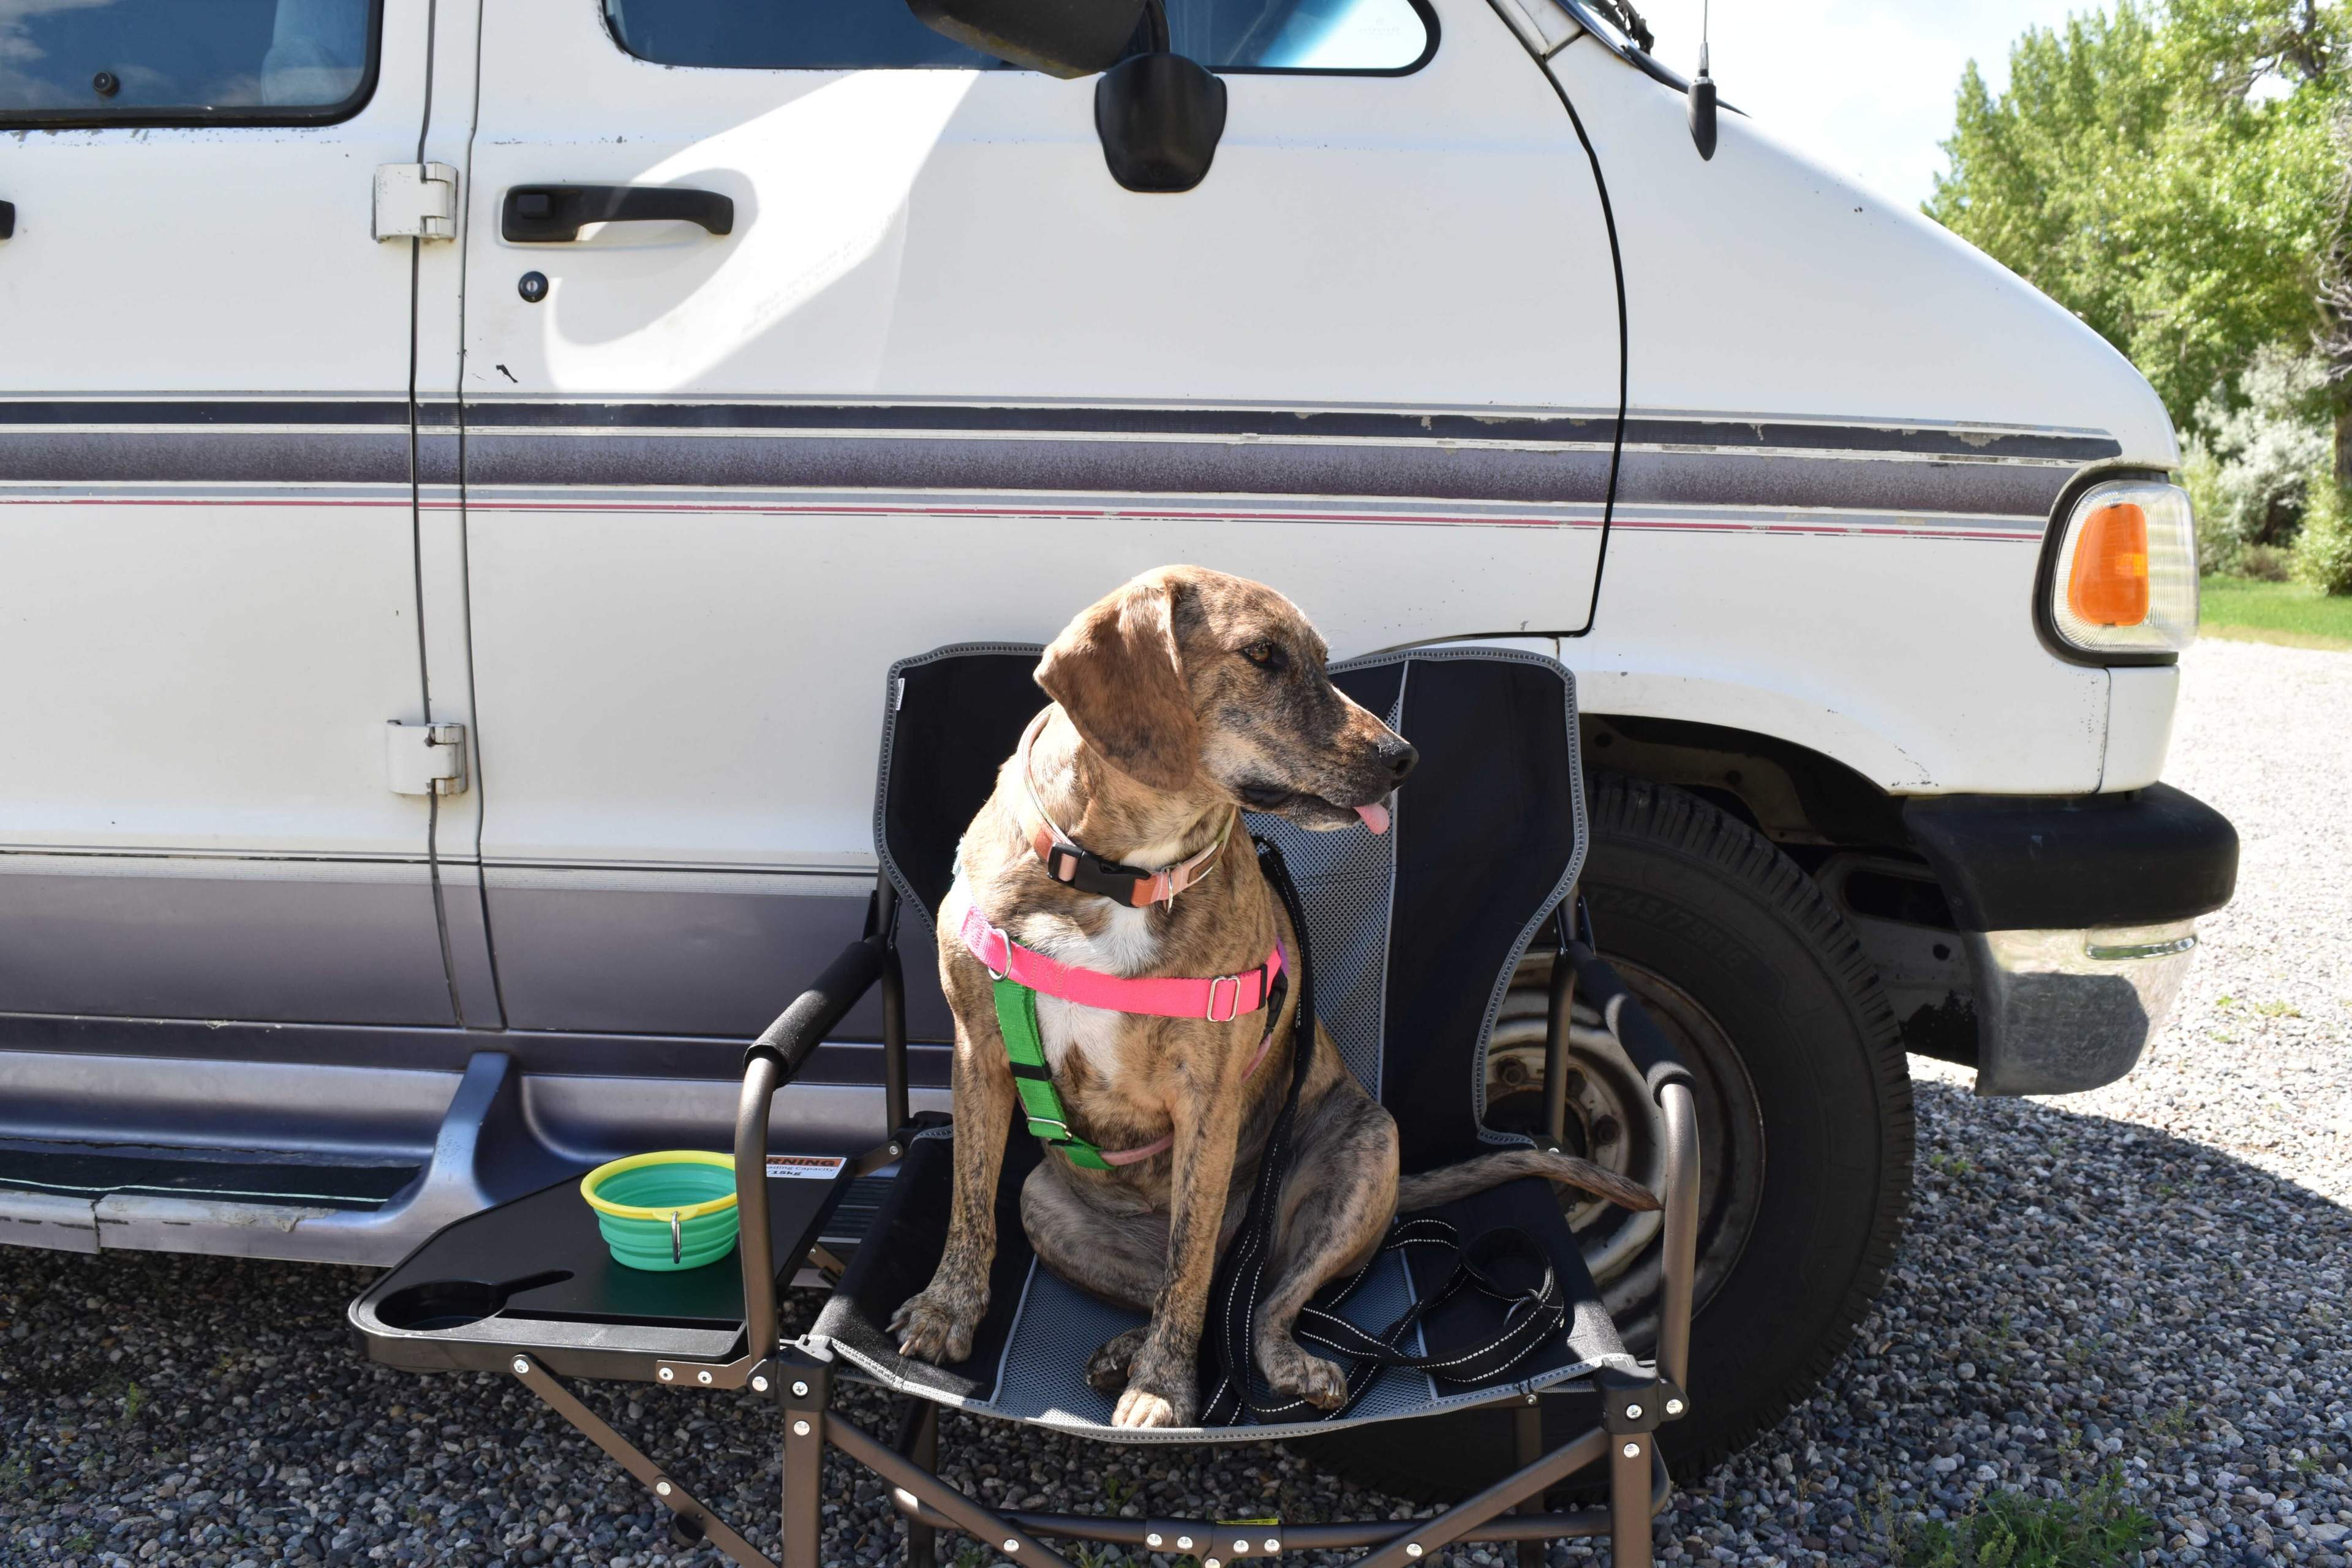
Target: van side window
1342,36
133,63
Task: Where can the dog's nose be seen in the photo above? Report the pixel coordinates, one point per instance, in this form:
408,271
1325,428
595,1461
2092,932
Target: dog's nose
1398,755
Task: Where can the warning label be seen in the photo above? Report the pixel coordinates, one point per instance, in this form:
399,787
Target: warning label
806,1167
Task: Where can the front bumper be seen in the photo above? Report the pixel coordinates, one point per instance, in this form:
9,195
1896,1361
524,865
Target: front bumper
2059,1011
2078,919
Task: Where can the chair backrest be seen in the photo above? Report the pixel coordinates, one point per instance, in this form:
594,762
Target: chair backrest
1415,933
953,716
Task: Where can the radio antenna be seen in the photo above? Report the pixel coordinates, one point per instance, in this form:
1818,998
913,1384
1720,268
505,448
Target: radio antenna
1701,91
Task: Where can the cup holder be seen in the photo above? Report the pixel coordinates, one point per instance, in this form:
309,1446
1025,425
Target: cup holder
441,1304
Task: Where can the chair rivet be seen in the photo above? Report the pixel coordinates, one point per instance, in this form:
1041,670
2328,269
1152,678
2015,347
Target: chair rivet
661,1489
800,1430
702,1377
1632,1412
1241,1548
665,1374
1674,1407
1633,1450
1273,1546
759,1385
1184,1544
1011,1547
1212,1563
800,1389
522,1363
1413,1549
1152,1538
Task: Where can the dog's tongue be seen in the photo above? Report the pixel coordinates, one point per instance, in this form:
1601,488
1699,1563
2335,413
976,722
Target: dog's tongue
1376,817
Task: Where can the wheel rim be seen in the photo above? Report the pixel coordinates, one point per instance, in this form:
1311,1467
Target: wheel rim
1613,1121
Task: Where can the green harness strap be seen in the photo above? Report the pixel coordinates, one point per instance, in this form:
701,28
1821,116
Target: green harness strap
1017,1014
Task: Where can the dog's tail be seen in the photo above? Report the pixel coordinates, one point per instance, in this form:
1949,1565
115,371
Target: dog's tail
1451,1181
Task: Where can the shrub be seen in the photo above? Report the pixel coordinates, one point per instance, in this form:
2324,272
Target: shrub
2323,551
2218,544
2247,472
2266,563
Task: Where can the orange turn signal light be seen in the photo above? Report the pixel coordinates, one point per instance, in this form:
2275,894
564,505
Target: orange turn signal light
2108,584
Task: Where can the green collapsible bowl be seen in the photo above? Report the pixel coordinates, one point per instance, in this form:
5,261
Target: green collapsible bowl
664,1212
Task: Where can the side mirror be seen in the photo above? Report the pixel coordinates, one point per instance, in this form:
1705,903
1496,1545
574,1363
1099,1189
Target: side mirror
1060,38
1160,115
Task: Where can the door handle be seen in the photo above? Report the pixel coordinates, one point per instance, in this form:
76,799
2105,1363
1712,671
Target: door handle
7,220
553,215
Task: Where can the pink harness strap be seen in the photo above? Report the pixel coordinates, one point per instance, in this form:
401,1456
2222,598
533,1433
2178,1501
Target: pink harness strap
1159,999
1220,998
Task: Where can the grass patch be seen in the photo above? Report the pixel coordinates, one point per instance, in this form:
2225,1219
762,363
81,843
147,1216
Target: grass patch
2288,612
2100,1529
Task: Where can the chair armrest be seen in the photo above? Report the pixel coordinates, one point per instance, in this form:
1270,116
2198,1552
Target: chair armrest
771,1062
819,1010
1678,1257
1671,1085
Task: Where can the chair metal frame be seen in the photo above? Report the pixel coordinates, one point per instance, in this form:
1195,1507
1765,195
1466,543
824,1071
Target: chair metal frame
799,1376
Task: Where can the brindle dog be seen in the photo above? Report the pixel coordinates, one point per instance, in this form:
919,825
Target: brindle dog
1180,699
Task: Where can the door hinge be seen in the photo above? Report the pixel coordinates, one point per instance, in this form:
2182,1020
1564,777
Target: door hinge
416,201
424,759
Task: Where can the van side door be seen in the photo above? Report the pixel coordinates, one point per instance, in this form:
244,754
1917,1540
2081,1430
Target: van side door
208,607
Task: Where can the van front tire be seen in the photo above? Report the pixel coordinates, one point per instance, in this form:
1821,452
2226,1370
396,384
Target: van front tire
1805,1113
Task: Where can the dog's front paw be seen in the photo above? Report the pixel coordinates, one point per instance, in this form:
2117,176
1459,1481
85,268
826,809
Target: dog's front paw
937,1325
1106,1368
1292,1371
1162,1391
1142,1408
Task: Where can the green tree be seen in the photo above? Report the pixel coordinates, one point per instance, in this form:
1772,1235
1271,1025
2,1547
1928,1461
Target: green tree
2174,176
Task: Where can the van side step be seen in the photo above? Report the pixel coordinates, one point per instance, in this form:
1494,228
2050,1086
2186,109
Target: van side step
365,1206
87,1171
329,1163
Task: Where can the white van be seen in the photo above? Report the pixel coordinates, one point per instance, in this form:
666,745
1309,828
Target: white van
466,466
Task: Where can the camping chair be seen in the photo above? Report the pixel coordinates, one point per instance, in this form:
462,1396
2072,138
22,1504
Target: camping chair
1487,840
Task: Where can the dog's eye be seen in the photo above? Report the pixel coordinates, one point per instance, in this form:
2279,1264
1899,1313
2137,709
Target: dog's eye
1265,654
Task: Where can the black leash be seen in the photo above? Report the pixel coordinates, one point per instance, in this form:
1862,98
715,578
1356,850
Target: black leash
1241,1394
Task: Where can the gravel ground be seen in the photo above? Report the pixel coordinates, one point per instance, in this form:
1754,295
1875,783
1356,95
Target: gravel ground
2147,1282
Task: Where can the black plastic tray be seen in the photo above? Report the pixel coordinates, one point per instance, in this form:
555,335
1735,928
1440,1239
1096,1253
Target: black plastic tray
533,1276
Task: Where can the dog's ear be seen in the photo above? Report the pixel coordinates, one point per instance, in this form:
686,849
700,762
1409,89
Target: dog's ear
1119,674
